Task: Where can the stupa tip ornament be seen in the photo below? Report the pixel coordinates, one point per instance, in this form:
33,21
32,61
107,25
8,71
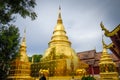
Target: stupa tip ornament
24,36
59,21
104,46
59,12
23,52
23,43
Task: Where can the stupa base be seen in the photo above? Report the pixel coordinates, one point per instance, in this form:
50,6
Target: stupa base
62,78
20,78
109,76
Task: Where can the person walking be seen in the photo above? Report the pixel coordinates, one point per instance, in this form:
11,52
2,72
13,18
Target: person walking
43,77
72,78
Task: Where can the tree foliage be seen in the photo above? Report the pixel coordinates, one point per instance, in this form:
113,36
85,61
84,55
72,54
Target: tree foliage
9,34
36,58
9,45
10,7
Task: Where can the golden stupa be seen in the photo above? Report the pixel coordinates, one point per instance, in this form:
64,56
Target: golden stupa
59,41
20,67
107,66
60,59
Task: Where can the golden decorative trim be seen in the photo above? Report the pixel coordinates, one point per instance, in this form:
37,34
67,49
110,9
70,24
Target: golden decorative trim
110,45
113,32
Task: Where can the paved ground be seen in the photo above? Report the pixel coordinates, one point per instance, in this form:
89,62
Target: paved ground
68,78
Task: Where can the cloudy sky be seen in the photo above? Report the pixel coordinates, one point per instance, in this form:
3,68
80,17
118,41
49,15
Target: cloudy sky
81,19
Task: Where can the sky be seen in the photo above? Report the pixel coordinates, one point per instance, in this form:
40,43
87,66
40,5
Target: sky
81,19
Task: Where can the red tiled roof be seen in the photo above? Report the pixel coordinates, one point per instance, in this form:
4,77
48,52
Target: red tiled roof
98,55
86,54
93,57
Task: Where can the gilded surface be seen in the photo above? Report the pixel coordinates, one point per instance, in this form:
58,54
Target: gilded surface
58,60
20,68
107,66
60,57
112,33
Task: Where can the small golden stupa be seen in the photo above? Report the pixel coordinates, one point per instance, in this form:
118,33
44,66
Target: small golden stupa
107,66
20,67
60,59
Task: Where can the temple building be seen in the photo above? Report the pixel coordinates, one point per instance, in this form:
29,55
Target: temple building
20,68
115,38
92,58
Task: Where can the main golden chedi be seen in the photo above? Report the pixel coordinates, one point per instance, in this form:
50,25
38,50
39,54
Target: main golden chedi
59,42
60,59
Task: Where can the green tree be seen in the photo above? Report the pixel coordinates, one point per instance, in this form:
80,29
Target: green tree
37,58
8,9
9,45
30,59
9,34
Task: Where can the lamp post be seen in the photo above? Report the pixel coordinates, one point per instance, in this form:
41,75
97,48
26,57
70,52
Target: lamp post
91,66
92,70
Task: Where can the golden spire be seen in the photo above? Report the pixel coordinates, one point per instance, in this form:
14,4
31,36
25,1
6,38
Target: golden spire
23,51
104,46
59,21
24,37
23,43
59,33
105,56
106,65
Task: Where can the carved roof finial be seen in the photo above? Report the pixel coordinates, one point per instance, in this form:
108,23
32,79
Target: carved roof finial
103,28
